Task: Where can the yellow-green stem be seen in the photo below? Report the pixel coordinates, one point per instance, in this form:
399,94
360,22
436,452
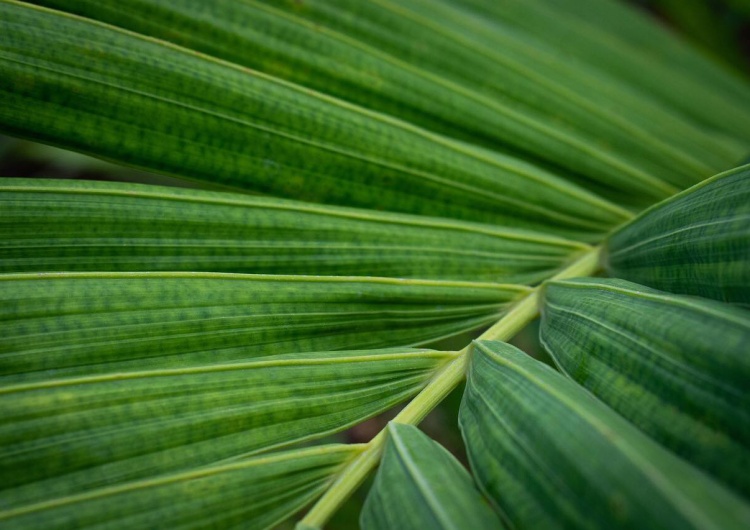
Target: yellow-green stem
523,312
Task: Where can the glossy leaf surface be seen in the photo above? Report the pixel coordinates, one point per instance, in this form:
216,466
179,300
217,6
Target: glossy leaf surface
421,485
48,225
697,242
676,366
129,98
256,492
550,455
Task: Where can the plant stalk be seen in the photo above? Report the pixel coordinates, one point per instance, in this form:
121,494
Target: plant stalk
354,474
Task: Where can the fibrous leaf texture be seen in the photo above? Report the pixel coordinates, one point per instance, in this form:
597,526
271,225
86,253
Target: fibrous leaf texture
421,485
256,492
697,242
374,175
676,366
549,454
48,225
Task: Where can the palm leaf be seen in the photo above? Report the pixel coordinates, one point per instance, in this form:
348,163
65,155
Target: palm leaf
653,357
421,485
697,242
153,398
228,125
617,41
448,76
64,434
50,225
253,493
99,323
550,455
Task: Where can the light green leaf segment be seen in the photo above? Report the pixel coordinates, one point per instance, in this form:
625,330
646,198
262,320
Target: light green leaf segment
421,485
98,323
256,492
697,242
48,225
63,434
550,455
676,366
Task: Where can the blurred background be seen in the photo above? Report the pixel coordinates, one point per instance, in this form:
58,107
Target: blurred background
720,28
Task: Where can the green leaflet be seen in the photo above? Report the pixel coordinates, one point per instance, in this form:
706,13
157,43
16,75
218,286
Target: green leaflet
697,242
421,485
473,82
676,366
544,99
63,435
538,112
95,88
48,225
255,493
552,456
636,51
99,323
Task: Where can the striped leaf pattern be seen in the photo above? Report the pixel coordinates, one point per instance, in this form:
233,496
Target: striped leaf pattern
48,225
374,175
99,323
676,366
421,485
623,43
169,109
549,455
64,434
437,66
256,492
697,242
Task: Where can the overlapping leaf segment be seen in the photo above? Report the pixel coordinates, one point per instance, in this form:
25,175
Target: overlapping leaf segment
165,352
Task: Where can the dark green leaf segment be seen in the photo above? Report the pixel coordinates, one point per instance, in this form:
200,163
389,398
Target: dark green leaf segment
99,89
483,79
421,485
676,366
618,41
158,347
697,242
549,454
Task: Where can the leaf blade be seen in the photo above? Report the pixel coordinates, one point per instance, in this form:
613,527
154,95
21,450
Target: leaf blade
450,97
66,435
84,323
244,129
624,43
420,485
260,491
673,365
544,450
78,226
697,242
